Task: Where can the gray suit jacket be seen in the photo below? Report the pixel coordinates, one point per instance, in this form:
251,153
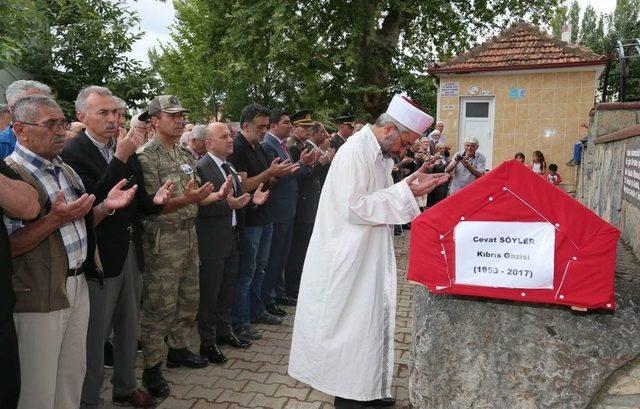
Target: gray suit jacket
213,224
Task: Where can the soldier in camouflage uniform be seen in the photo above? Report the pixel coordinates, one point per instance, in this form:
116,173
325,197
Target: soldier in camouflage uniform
170,289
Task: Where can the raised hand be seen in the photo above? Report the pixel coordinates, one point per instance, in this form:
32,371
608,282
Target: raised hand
128,144
163,194
421,183
197,194
62,212
238,202
117,198
279,169
260,196
309,157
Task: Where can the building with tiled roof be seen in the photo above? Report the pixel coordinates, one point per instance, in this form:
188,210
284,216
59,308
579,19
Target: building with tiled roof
520,91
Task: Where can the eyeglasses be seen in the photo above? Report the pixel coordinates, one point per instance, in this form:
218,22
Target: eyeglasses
52,125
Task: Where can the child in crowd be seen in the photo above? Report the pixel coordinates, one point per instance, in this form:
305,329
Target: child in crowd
553,176
520,157
538,164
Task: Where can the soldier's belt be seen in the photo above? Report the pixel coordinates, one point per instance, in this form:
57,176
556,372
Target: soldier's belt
179,225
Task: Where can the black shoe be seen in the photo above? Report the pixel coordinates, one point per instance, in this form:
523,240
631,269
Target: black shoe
268,319
233,341
155,383
139,346
247,332
287,300
213,354
342,403
186,358
108,355
381,402
273,309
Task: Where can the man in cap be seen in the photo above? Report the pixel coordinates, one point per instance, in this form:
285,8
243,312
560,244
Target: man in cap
301,122
170,281
343,332
345,130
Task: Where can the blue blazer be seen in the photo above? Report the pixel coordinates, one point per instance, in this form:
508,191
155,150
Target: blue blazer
284,194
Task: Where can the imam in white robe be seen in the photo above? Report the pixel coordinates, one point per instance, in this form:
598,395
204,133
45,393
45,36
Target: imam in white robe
345,318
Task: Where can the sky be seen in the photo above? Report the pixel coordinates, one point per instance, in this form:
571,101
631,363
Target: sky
156,16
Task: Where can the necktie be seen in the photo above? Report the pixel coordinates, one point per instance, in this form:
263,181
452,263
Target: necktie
286,151
227,171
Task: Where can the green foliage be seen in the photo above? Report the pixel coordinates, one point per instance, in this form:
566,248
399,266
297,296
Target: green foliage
334,56
574,20
76,43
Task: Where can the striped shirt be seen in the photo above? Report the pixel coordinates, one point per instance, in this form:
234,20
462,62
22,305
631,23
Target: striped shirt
105,149
52,178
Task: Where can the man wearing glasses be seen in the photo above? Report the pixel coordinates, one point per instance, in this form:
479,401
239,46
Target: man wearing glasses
53,256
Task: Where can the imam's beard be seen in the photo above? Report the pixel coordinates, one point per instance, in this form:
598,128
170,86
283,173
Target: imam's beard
387,143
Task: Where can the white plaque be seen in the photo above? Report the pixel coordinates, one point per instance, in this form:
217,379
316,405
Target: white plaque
505,254
450,89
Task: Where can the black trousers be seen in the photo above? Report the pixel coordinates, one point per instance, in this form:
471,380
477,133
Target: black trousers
299,245
217,287
10,367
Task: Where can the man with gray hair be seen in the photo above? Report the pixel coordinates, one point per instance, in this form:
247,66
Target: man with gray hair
13,93
344,325
196,142
53,257
466,166
5,116
102,162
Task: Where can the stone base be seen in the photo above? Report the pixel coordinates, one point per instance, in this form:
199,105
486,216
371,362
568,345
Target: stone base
476,353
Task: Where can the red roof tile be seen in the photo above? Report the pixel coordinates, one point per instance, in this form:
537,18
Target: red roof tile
522,46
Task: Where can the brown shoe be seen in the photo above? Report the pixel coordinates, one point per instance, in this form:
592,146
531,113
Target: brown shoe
138,399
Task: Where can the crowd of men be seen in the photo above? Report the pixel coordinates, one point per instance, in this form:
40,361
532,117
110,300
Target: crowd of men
128,235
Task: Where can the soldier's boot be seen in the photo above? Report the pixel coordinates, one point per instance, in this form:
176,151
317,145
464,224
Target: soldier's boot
184,357
155,383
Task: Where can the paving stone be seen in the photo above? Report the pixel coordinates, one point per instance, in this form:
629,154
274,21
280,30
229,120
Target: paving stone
178,391
253,376
265,389
203,404
295,404
234,385
288,392
200,392
281,369
284,380
268,402
174,403
252,366
201,380
272,358
319,396
241,398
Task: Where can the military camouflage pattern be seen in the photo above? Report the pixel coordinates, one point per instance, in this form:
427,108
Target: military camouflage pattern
170,288
160,164
170,281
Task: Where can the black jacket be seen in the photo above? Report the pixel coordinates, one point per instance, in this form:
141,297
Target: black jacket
309,189
99,177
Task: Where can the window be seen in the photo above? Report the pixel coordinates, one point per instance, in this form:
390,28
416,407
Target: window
476,110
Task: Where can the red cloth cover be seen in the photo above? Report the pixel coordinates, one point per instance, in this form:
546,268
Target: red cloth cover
588,280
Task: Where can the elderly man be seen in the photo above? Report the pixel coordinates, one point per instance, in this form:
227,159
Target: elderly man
345,130
170,284
196,142
218,226
344,326
101,164
466,166
144,127
52,257
14,92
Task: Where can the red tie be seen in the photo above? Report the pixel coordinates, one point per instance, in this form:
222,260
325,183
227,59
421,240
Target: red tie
286,151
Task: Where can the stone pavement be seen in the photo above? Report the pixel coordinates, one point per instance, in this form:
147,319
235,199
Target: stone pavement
257,377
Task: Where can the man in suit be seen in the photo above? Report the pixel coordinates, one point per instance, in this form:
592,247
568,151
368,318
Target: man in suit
345,130
101,163
218,226
282,208
309,189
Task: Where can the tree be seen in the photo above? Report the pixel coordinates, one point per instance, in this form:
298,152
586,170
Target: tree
574,20
76,43
589,31
335,56
560,17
